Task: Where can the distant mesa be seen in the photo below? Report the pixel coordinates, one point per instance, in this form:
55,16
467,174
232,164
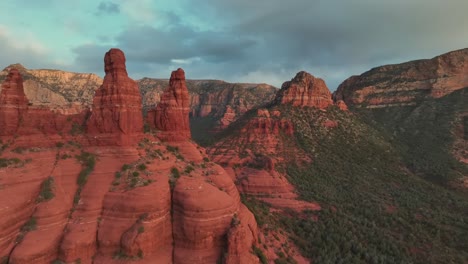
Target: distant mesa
406,83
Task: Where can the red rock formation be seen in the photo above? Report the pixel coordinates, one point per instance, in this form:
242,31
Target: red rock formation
18,118
171,114
305,90
117,106
110,219
228,117
342,105
253,155
405,83
13,103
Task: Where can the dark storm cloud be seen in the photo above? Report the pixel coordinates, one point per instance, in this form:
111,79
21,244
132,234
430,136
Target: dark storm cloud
269,41
107,7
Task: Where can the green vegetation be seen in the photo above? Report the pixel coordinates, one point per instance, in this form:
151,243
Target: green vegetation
199,127
141,167
175,172
30,225
19,150
59,144
46,193
141,229
88,161
175,151
189,169
260,255
125,167
423,134
172,149
76,129
374,211
5,162
3,146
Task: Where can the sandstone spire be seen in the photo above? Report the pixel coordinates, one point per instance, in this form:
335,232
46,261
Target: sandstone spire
171,115
117,105
13,103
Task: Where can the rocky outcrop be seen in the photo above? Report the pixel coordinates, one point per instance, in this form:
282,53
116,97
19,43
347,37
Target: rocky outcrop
13,103
305,90
342,105
19,118
171,116
117,107
56,88
406,83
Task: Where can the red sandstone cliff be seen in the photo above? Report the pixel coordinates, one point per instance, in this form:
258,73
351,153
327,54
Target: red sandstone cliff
406,83
19,118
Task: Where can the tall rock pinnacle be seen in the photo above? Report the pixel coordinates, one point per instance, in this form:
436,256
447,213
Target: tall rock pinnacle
171,115
13,103
117,104
305,90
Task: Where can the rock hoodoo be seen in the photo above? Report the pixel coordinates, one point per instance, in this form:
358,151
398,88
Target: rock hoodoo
305,90
171,116
13,103
117,104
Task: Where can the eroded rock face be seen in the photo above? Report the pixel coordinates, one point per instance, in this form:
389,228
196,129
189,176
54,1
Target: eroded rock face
13,103
18,118
117,106
171,115
305,90
406,83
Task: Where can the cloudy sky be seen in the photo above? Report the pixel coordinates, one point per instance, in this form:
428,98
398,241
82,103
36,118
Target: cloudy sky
234,40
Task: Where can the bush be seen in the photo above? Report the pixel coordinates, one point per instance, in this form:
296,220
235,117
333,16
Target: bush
125,167
141,167
260,255
189,169
46,193
141,229
175,172
30,225
172,149
76,129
